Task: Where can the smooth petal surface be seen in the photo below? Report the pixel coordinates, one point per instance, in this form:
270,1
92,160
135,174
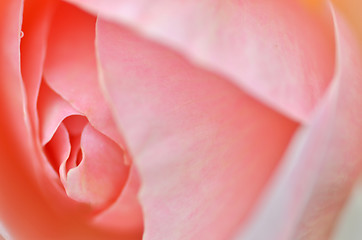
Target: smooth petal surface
197,141
315,178
275,50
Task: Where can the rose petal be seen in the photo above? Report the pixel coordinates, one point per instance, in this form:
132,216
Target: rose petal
275,50
70,67
197,141
310,188
101,175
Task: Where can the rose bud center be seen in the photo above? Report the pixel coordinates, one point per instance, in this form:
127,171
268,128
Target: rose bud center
90,165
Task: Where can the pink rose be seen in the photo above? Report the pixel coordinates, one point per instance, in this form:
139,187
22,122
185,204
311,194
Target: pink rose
169,119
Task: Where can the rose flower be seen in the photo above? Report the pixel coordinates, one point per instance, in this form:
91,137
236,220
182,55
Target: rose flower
170,119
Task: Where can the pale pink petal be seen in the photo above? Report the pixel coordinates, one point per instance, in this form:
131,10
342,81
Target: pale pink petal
70,67
315,178
101,175
275,50
197,141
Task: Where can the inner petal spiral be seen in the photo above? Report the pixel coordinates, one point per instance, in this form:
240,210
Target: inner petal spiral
90,165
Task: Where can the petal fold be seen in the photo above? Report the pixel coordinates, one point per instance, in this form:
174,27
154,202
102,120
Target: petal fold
71,70
315,178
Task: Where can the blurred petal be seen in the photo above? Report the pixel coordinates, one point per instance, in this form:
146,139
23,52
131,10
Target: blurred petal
275,50
315,178
194,137
3,233
351,10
